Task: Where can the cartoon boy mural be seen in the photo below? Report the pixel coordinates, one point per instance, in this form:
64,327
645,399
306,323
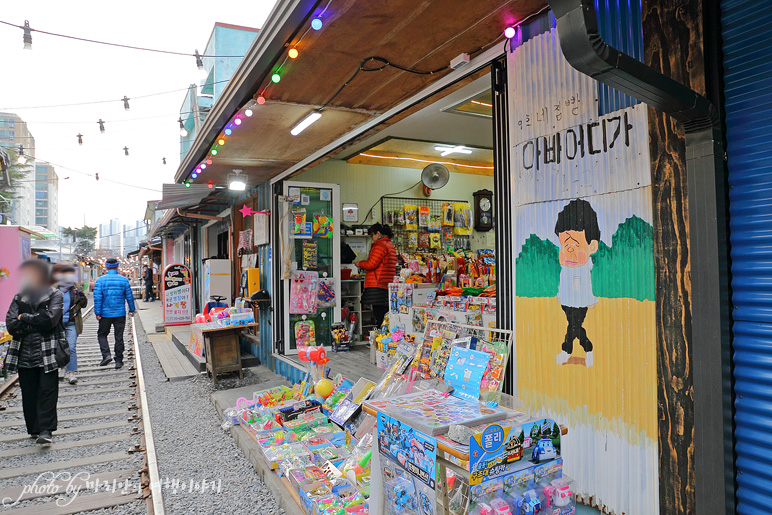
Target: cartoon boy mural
579,234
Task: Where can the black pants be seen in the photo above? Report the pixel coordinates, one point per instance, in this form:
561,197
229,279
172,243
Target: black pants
379,311
575,317
104,329
39,395
149,291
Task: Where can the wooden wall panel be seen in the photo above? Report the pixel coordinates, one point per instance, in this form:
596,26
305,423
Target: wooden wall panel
673,40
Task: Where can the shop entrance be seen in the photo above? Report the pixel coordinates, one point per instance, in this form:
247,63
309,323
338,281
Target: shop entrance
428,177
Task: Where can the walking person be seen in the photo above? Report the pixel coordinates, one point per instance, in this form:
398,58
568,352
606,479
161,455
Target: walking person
111,293
34,319
147,276
381,266
74,301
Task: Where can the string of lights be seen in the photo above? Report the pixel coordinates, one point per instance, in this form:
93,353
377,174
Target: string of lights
29,30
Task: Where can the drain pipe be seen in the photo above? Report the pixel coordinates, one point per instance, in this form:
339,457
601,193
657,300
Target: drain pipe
710,360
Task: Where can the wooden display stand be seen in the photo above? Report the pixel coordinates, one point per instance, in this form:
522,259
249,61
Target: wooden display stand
222,350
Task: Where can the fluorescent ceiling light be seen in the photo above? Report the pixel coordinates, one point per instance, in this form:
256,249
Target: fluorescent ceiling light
305,123
459,149
236,181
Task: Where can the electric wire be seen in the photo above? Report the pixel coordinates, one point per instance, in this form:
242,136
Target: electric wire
119,45
114,100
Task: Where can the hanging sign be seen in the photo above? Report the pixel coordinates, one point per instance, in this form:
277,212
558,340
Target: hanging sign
178,295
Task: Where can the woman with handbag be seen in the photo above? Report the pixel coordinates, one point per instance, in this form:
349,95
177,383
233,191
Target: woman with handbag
39,347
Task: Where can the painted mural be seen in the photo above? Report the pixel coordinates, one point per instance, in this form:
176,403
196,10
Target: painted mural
584,276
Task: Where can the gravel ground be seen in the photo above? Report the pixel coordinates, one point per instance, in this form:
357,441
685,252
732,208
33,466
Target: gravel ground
191,446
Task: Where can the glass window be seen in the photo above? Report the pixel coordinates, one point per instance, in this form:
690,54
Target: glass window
41,194
40,203
41,212
41,186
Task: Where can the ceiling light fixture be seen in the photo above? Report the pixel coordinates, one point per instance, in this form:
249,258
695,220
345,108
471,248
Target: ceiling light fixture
236,181
486,104
509,32
458,149
305,123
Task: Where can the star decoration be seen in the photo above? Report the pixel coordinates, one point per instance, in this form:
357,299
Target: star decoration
246,211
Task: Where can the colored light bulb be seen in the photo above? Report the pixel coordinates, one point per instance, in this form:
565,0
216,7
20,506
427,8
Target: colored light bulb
203,166
276,77
293,53
187,184
214,151
261,100
194,175
237,121
208,161
248,112
221,142
509,32
228,132
211,185
316,23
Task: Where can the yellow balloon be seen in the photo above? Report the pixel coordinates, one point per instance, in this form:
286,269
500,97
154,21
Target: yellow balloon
324,388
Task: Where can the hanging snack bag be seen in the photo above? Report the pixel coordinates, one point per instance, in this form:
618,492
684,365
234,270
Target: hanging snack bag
462,219
423,216
412,239
447,214
434,240
411,217
423,239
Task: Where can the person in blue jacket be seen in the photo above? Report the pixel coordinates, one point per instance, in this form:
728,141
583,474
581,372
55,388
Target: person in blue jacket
111,293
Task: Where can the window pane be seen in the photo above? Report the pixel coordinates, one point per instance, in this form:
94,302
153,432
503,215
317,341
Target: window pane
41,194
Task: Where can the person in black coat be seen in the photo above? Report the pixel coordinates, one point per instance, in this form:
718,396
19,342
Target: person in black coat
147,276
34,320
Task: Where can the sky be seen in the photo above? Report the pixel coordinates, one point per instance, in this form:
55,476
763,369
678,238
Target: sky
61,71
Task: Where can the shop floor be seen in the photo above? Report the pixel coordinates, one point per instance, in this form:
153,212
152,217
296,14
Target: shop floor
352,364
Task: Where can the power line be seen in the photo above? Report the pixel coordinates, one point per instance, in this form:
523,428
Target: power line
112,100
130,47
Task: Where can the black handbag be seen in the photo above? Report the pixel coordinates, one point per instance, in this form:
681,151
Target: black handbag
62,348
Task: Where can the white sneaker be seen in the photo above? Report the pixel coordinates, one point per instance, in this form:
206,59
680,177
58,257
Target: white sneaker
562,358
588,360
71,378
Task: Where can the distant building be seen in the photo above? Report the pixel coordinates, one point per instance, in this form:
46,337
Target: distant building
225,40
109,237
14,132
133,235
46,196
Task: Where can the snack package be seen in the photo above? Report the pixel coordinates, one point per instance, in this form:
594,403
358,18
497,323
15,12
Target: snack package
447,214
412,239
423,239
462,217
423,216
435,240
411,217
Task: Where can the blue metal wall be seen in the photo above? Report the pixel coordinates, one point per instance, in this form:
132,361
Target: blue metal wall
747,45
620,25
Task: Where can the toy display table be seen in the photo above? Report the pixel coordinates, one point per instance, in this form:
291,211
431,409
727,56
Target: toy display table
223,353
450,455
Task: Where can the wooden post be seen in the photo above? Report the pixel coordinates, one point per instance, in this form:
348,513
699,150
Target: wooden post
673,39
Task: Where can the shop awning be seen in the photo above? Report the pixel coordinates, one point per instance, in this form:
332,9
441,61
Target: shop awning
179,195
422,36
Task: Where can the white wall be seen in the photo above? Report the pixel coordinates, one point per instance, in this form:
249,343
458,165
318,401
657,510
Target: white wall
364,184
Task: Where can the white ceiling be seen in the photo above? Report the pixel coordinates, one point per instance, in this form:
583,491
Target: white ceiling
433,124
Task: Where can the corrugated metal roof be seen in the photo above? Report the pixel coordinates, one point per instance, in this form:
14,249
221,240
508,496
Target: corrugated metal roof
747,40
179,195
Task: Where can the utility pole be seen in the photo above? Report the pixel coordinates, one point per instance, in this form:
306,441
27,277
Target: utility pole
196,116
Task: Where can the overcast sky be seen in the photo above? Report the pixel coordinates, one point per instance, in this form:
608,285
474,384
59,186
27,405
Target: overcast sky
60,71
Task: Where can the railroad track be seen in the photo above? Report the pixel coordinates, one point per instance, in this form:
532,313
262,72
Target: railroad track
103,454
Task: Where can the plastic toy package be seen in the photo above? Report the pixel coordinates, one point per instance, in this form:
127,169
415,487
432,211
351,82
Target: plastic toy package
298,221
401,497
305,333
310,254
494,374
323,226
303,292
326,294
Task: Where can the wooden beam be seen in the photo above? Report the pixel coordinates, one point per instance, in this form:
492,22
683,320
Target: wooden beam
673,40
186,214
381,158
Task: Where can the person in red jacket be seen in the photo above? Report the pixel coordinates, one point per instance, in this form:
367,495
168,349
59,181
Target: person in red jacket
381,267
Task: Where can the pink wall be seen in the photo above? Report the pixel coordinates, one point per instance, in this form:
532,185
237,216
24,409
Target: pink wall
168,246
14,248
